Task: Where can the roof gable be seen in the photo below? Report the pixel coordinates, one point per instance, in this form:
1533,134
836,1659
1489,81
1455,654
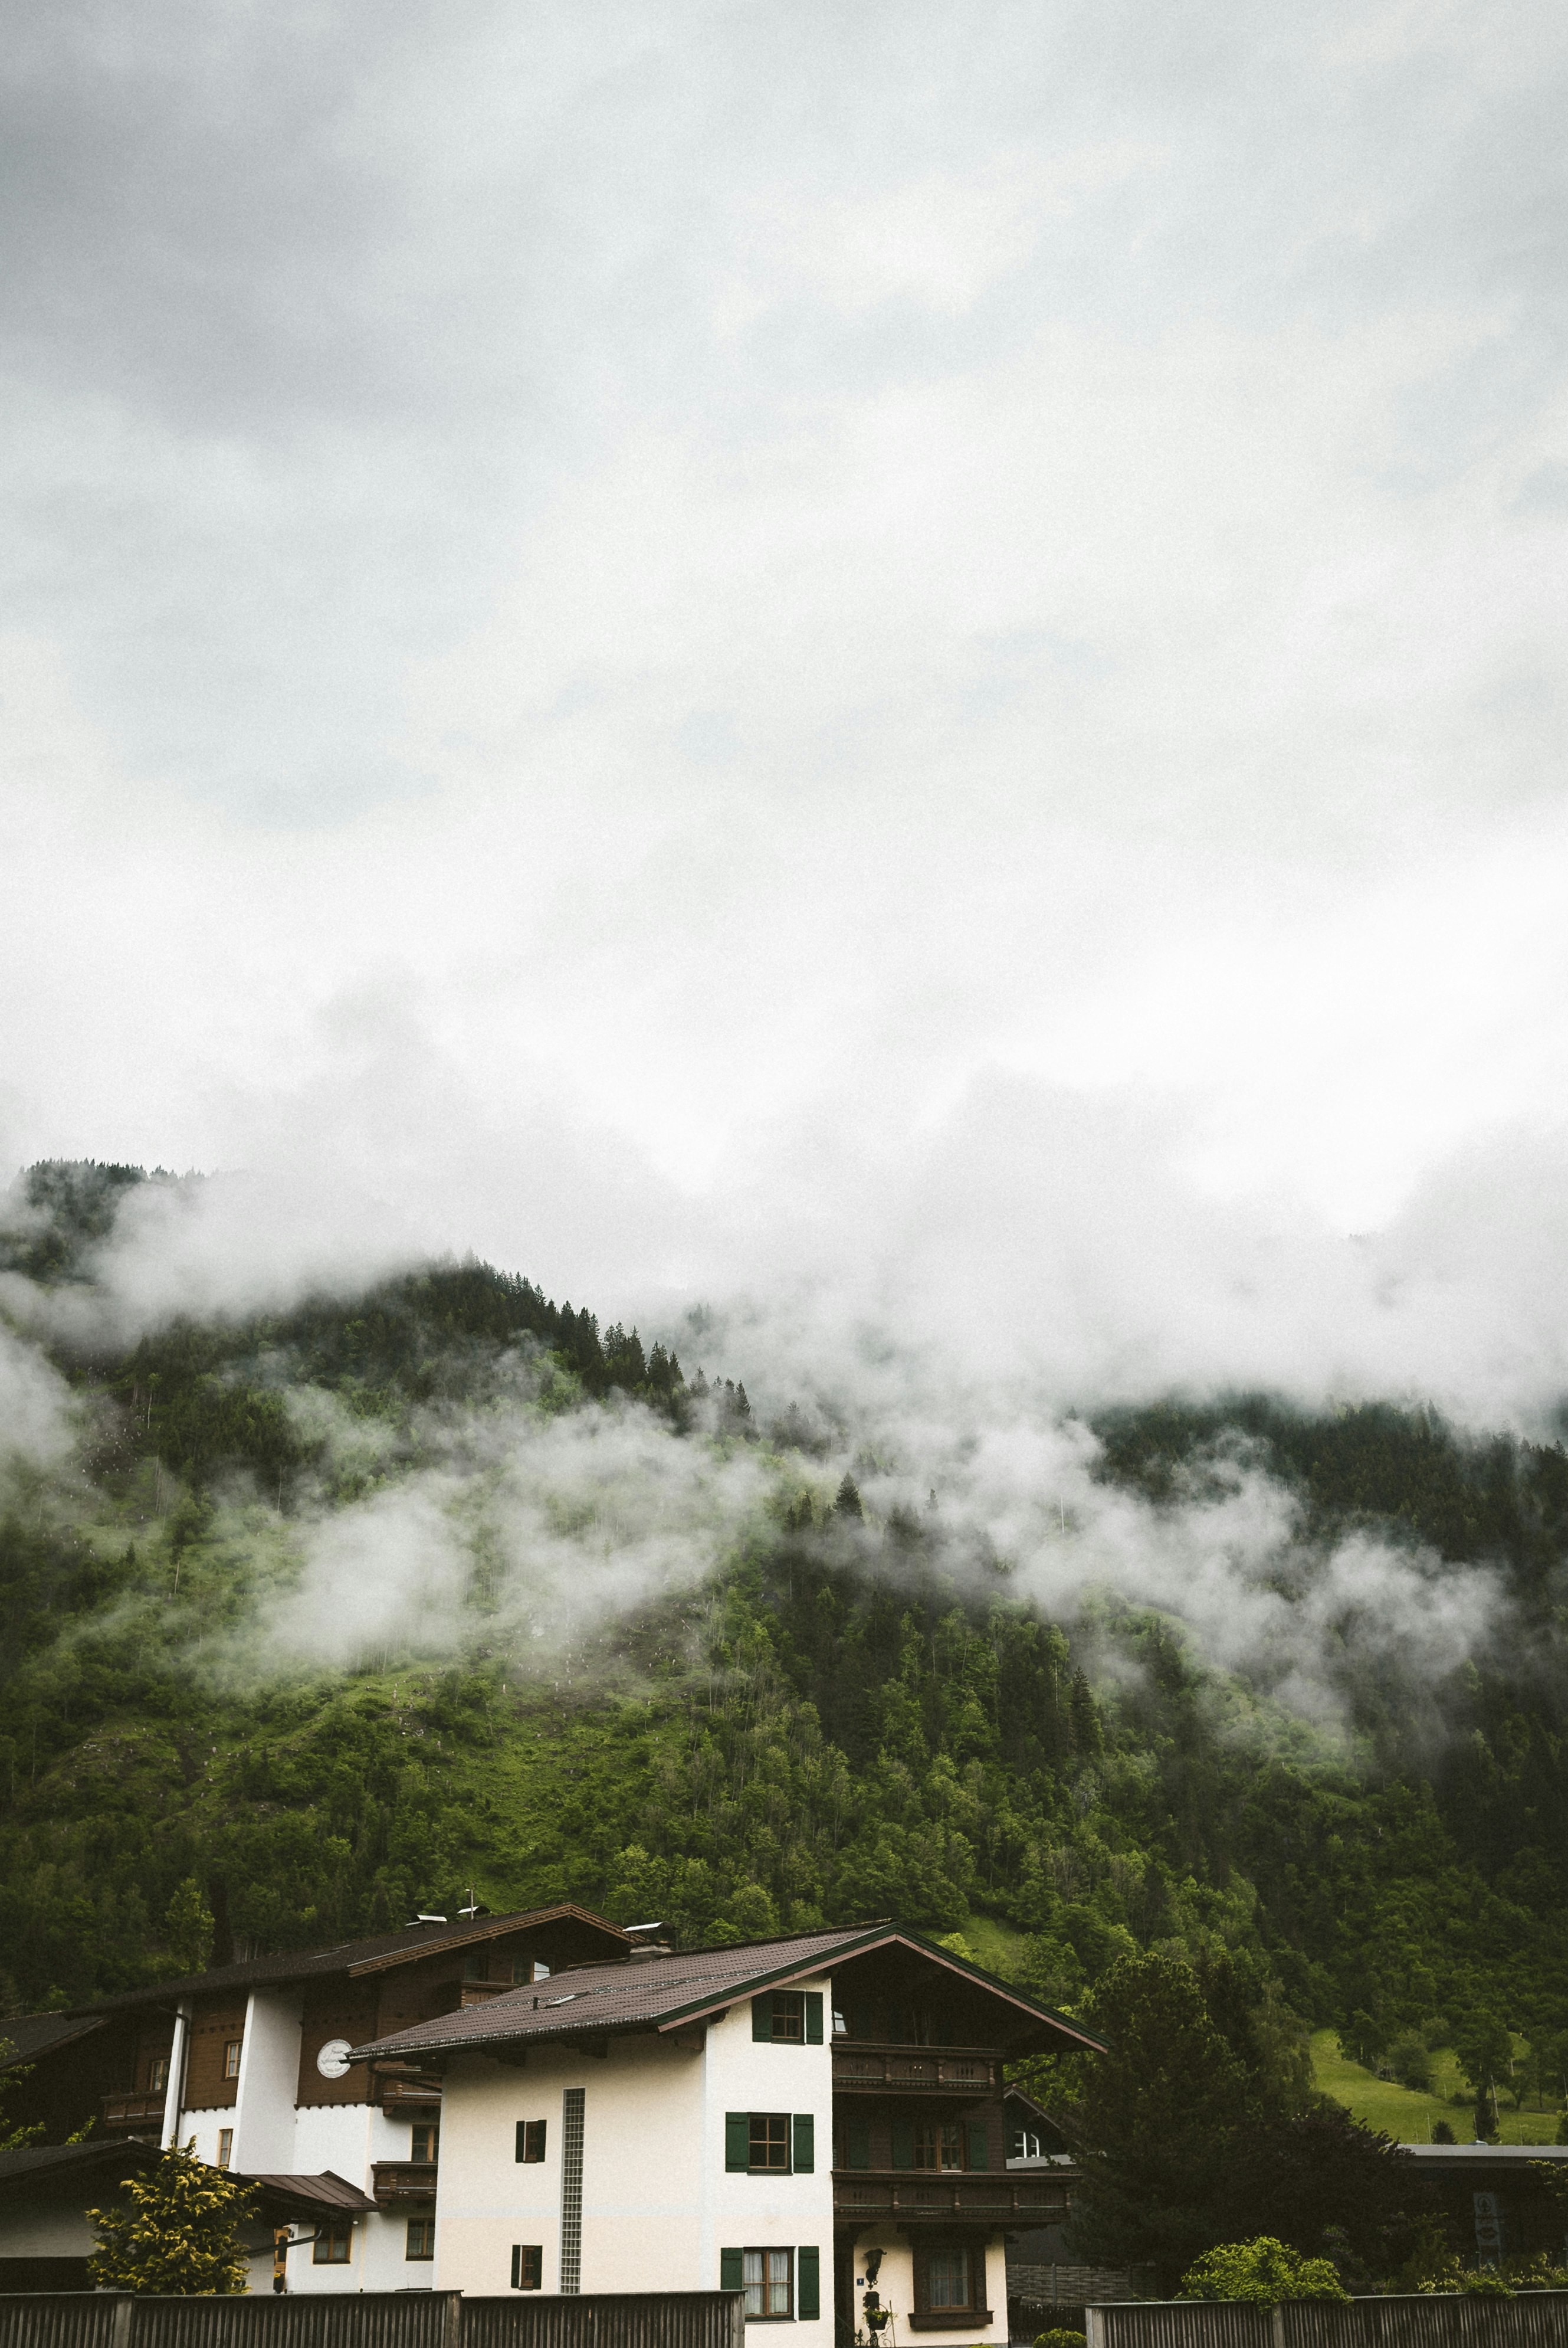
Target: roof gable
668,1993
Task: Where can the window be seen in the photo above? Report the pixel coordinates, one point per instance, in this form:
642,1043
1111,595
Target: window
156,2072
530,2140
787,2017
947,2281
1026,2147
334,2243
770,2144
778,2283
421,2239
425,2144
767,2278
527,2266
231,2058
225,2146
840,2027
949,2285
540,1972
939,2145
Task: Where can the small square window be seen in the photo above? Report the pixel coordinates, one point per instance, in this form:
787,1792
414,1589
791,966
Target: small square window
231,2058
768,2279
225,2146
531,2139
420,2239
334,2243
769,2143
527,2266
789,2014
425,2142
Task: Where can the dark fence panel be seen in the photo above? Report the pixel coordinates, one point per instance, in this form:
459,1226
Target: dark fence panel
425,2319
1166,2323
1536,2319
653,2319
56,2320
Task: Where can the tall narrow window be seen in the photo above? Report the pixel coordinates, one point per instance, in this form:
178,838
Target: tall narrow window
572,2100
947,2281
420,2240
767,2281
425,2146
789,2015
231,2058
527,2266
225,2146
530,2140
157,2072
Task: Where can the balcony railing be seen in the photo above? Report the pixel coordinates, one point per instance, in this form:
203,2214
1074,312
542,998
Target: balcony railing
911,2196
134,2108
915,2070
400,2183
398,2096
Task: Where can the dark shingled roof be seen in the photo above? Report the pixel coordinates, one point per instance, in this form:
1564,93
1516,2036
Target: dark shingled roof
377,1956
327,2194
662,1992
29,2163
32,2034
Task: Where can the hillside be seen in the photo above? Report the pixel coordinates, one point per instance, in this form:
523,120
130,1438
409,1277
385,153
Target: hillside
831,1719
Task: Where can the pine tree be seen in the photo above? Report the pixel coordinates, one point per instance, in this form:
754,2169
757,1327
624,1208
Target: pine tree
847,1503
180,2237
188,1927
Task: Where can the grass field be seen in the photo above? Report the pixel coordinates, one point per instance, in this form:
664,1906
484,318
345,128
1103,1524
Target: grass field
1411,2117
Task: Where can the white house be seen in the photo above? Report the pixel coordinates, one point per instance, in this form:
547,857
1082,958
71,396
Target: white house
818,2120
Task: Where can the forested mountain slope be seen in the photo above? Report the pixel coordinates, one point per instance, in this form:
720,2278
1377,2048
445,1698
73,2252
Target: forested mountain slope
832,1723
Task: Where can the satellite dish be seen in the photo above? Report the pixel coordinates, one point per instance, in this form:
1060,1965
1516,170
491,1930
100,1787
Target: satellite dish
333,2060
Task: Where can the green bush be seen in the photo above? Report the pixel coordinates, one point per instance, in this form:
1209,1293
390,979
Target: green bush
1063,2336
1263,2271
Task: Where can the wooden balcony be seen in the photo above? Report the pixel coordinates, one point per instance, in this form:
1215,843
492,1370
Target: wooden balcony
914,2197
867,2070
402,2184
415,2097
135,2109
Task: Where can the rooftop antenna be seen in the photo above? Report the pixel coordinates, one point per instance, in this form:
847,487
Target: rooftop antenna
473,1909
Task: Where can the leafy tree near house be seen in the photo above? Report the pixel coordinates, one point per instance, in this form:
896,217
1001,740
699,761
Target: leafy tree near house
179,2236
1264,2271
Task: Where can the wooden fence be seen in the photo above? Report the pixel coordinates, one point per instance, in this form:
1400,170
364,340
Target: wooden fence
376,2318
1535,2319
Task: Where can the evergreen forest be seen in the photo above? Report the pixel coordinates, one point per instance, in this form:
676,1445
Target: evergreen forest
833,1722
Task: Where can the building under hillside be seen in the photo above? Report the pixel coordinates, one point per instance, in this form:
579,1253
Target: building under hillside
537,2102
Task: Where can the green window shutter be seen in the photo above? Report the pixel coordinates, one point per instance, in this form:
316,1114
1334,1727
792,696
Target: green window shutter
805,2143
857,2144
731,2270
808,2281
813,2017
902,2143
737,2140
979,2144
763,2016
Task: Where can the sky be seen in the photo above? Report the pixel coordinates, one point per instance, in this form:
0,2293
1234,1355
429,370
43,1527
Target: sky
890,670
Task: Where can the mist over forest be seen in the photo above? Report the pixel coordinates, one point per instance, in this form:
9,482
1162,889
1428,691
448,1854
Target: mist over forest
436,1584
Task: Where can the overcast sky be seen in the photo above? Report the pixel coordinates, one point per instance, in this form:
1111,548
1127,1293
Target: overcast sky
720,646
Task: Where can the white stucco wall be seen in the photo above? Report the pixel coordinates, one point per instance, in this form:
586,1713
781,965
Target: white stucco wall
657,2204
264,2115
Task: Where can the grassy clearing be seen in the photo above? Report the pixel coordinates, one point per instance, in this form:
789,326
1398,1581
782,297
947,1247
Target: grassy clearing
1408,2115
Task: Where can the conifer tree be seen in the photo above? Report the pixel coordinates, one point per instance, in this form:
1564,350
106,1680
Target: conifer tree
180,2238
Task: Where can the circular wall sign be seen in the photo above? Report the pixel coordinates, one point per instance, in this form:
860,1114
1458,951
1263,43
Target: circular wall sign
333,2060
